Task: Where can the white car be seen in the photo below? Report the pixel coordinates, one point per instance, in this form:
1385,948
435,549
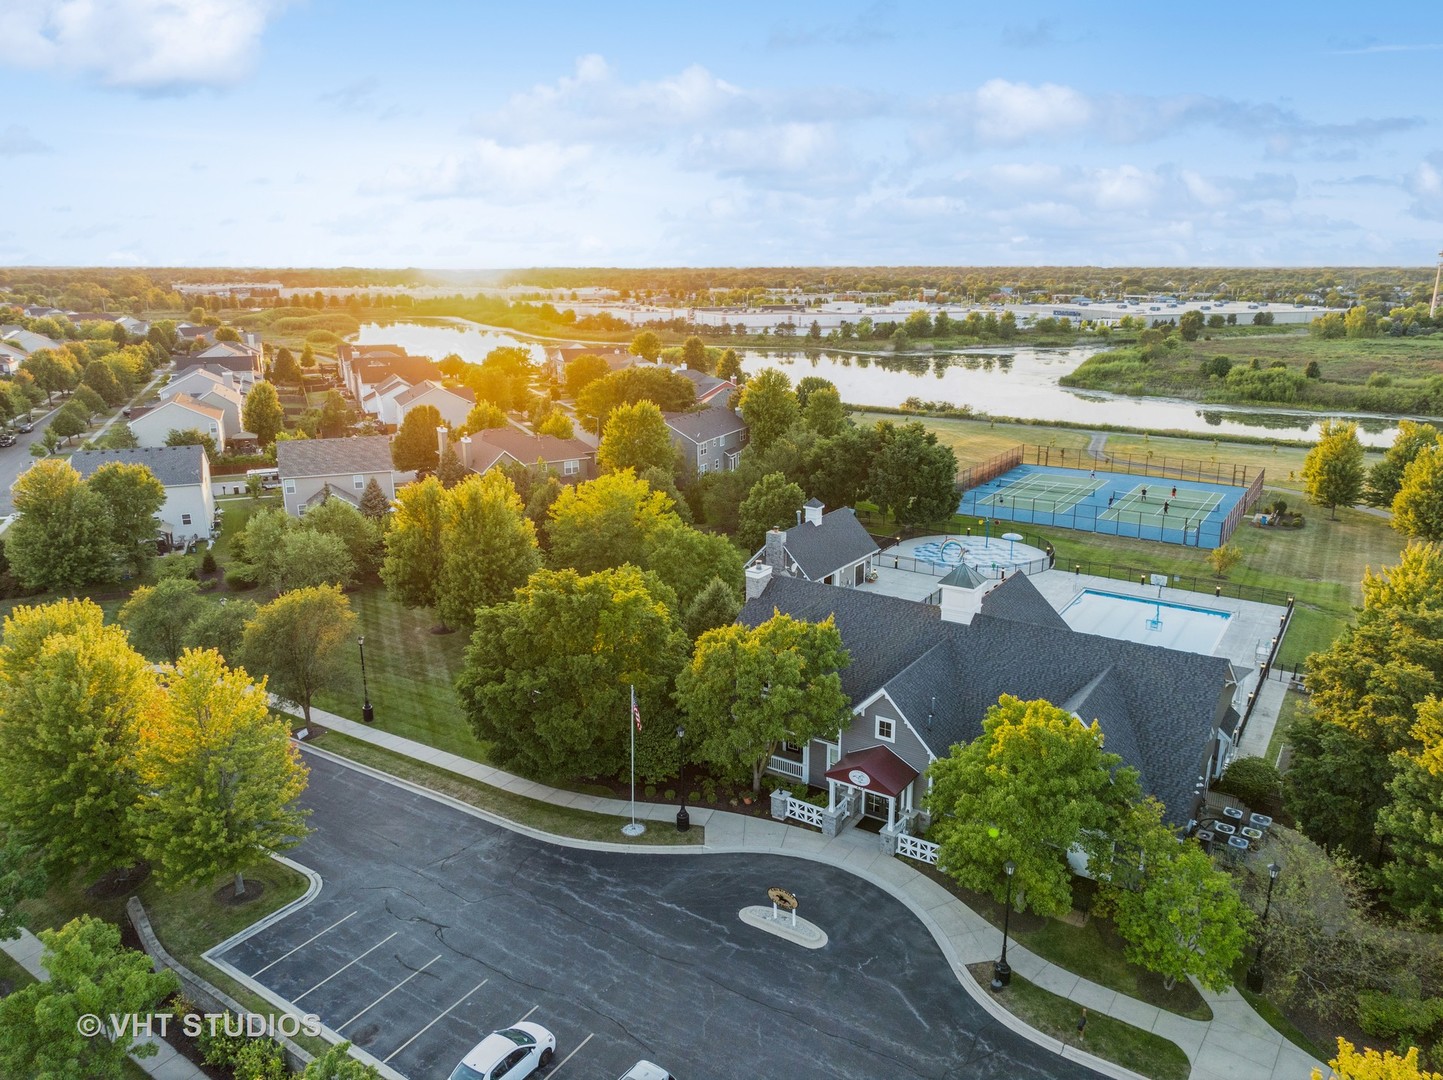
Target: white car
645,1070
509,1054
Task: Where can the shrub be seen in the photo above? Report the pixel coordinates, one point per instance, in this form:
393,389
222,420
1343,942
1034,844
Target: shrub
261,1059
669,794
1393,1016
177,566
1254,780
240,579
649,791
219,1049
207,562
208,585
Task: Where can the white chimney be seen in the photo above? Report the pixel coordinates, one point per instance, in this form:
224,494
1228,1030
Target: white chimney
758,577
814,510
959,605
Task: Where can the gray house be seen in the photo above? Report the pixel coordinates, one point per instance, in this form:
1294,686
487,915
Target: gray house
184,471
311,469
923,675
831,548
710,440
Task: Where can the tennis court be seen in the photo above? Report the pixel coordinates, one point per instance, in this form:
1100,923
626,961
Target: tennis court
1192,512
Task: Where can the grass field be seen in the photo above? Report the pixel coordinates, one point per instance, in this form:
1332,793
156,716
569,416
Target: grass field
1113,1040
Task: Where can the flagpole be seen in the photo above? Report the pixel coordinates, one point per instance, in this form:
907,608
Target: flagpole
633,722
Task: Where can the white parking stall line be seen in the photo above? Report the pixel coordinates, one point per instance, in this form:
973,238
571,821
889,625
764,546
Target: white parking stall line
388,993
301,946
357,960
529,1012
386,1060
569,1056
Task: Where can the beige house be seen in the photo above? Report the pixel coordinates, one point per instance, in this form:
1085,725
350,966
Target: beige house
311,469
453,403
181,413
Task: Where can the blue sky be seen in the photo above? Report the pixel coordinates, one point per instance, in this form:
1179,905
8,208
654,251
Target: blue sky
462,134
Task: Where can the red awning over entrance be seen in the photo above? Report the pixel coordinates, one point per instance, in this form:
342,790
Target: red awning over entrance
874,769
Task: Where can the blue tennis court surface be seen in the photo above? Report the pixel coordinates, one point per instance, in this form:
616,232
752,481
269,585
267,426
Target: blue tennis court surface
1190,512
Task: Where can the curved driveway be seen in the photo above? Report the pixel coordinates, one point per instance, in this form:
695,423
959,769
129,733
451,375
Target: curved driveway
434,927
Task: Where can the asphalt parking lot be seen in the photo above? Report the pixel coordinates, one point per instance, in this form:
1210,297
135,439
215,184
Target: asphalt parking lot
434,928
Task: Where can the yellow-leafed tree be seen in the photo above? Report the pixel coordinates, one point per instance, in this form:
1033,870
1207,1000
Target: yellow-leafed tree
1365,1064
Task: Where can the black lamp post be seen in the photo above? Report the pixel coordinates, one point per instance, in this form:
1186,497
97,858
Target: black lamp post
683,819
1002,971
368,714
1255,972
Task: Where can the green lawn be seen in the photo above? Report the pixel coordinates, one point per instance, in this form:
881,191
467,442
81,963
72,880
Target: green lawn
545,816
1291,708
1113,1040
12,974
409,672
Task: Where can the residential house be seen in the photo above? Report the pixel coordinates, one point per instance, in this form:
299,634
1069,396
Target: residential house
710,440
571,459
228,402
189,506
709,388
243,361
834,548
616,359
195,381
133,326
179,413
364,367
11,358
380,401
312,469
922,676
454,403
27,341
191,335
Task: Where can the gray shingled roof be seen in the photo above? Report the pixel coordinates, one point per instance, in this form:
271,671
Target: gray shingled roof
963,576
529,449
334,457
711,423
1018,600
1157,708
173,466
838,541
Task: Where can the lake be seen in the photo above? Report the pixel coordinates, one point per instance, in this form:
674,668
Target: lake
1020,382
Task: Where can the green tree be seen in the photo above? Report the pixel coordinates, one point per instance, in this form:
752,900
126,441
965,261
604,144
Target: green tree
488,548
91,973
298,641
100,378
773,502
307,558
1418,506
1179,915
1189,325
558,425
665,389
748,689
694,355
636,437
837,467
415,447
716,605
1386,477
1333,469
192,437
72,695
158,617
284,369
547,675
730,367
132,497
688,560
374,504
359,533
411,568
70,421
449,469
221,627
220,777
60,538
335,416
806,384
768,406
824,413
337,1064
1224,559
645,345
22,878
1033,784
605,522
581,372
261,543
308,356
1335,785
262,414
89,400
913,477
482,417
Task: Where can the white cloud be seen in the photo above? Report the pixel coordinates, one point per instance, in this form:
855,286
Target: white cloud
16,140
147,45
1425,184
504,174
1004,112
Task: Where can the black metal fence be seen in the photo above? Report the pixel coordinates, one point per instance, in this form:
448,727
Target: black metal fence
1263,672
1145,464
993,467
1213,586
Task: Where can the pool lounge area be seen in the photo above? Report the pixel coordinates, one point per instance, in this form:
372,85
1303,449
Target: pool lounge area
1149,621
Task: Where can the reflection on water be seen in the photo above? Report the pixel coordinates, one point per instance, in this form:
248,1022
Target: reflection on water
1019,382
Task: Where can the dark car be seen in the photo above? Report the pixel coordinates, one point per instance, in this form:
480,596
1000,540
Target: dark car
7,438
25,425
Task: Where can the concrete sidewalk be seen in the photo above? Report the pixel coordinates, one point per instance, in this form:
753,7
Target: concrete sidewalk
1237,1044
167,1064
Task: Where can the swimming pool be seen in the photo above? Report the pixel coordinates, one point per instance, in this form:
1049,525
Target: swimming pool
1149,621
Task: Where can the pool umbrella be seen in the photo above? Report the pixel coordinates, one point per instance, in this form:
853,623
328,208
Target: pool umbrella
1011,539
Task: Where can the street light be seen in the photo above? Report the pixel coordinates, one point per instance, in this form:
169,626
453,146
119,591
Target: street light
1001,972
683,819
368,714
1255,972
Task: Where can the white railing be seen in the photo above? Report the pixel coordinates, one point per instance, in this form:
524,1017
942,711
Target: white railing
913,848
804,812
786,767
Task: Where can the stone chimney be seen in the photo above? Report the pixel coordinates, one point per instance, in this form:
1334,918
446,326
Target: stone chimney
775,554
758,577
814,509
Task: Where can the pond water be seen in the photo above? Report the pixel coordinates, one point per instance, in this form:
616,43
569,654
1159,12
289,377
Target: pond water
1020,382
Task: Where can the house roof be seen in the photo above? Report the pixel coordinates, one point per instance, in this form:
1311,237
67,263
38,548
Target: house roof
334,457
173,466
1017,599
421,389
412,369
221,390
885,771
525,447
837,541
227,348
707,386
185,401
714,422
964,576
1156,707
227,362
29,340
199,374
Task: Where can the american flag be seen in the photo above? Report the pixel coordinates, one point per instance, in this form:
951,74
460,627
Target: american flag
635,711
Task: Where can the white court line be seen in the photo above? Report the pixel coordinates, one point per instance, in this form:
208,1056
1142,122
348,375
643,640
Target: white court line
357,960
301,946
388,993
386,1060
569,1056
